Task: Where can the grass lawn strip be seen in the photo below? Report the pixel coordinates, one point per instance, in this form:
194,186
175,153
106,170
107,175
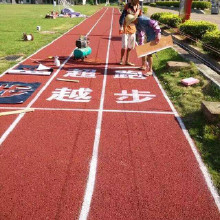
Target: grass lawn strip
187,101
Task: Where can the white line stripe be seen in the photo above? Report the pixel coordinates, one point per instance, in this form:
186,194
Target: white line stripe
202,166
93,110
13,125
45,46
124,67
94,161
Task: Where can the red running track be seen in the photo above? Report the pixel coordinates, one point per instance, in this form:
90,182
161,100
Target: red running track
113,157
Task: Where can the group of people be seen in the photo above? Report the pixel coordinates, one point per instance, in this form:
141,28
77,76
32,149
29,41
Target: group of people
135,25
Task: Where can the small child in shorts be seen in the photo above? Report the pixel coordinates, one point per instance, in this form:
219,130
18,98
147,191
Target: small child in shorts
128,30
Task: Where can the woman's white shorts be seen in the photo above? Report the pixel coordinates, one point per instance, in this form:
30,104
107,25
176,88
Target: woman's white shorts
128,41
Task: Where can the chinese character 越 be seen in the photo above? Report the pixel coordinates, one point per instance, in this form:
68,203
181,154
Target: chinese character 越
71,95
134,97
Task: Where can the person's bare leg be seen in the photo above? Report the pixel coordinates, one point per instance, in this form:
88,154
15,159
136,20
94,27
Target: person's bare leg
122,55
150,64
143,67
127,58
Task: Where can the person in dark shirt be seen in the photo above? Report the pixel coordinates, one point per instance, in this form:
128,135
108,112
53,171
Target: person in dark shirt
147,28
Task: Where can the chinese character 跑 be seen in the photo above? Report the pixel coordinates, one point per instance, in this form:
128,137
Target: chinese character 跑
71,95
135,97
123,74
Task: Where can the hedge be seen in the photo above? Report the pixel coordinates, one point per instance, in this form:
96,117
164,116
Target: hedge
153,4
212,38
145,10
197,29
169,4
201,5
157,15
195,4
167,18
170,20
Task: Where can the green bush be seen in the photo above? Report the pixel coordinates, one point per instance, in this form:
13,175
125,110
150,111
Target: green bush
145,10
195,4
212,39
201,5
170,19
153,4
197,29
91,2
157,15
169,4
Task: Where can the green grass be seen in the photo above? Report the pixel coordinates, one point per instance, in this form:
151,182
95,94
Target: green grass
18,19
187,101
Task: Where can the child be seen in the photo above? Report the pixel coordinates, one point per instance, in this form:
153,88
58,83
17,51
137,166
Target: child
128,29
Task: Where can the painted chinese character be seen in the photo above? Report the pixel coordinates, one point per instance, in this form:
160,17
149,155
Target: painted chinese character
16,92
7,90
136,96
83,73
129,74
69,95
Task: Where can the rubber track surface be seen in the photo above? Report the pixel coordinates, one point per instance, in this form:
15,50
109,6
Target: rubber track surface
145,166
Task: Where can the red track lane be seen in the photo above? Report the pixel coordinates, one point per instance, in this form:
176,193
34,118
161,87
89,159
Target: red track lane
147,171
44,165
42,176
146,168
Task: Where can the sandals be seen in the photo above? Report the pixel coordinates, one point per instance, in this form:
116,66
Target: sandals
129,64
148,74
120,62
142,68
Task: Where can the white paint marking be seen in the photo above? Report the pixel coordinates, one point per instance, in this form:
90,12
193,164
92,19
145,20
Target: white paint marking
94,110
125,67
202,166
94,161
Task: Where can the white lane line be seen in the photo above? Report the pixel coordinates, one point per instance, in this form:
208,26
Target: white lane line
94,110
125,67
16,121
94,160
46,45
202,166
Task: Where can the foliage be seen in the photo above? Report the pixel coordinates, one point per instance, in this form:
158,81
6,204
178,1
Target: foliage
156,16
195,4
197,28
168,3
145,9
201,5
91,2
187,101
212,39
170,19
153,4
